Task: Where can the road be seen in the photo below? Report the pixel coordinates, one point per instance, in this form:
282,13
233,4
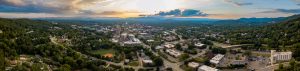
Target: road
195,56
175,66
109,62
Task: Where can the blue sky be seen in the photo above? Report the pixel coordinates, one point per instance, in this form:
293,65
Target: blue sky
225,9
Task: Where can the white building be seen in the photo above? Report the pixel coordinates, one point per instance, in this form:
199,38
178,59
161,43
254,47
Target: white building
207,68
216,59
199,44
280,56
134,41
193,64
169,46
150,40
158,47
173,52
147,60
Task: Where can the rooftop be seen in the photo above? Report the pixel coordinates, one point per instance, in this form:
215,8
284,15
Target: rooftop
207,68
199,44
193,64
169,45
217,58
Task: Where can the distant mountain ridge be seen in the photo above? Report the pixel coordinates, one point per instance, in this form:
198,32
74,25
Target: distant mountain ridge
162,20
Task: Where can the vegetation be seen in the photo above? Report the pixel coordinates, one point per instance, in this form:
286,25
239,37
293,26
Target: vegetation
293,66
219,50
28,37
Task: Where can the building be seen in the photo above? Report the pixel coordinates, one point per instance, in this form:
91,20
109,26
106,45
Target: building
169,46
216,60
199,44
239,62
280,56
129,39
134,41
207,68
193,64
147,61
150,40
173,52
158,47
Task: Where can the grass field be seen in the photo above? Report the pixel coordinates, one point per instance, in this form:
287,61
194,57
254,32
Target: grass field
134,63
103,51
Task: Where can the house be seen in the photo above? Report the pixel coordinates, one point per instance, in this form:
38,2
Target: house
216,60
280,56
206,68
193,64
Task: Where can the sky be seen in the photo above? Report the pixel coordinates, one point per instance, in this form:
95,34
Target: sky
217,9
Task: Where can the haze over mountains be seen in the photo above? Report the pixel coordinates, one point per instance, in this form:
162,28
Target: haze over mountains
164,20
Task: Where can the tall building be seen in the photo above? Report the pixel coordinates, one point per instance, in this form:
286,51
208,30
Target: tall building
280,56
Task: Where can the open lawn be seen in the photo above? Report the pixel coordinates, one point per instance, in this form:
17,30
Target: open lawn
103,51
134,63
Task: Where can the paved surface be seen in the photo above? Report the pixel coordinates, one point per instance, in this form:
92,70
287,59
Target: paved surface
272,67
175,66
195,56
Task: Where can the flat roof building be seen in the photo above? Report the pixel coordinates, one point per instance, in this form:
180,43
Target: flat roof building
193,64
216,59
169,45
280,56
173,52
206,68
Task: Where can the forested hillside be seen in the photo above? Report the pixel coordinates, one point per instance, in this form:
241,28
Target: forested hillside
280,36
28,45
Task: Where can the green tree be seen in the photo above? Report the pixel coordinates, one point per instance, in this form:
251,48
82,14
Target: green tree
64,67
183,56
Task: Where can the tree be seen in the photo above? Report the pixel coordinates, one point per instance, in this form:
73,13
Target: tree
64,67
158,61
219,50
248,53
183,56
178,47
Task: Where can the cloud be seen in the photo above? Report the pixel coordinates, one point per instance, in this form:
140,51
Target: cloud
46,6
237,3
182,13
287,11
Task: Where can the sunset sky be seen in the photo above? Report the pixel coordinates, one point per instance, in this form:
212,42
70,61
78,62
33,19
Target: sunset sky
225,9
